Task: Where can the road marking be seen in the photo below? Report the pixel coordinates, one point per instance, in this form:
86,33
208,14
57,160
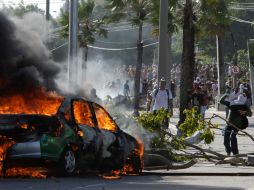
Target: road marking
95,185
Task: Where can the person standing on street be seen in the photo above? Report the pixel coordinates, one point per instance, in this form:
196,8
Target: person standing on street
161,99
173,92
126,90
237,120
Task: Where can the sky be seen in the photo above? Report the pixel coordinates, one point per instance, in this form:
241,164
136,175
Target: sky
55,5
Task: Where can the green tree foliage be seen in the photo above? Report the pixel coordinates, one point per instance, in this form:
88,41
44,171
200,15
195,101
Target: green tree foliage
22,9
154,124
243,61
211,19
136,12
194,122
214,17
173,16
88,27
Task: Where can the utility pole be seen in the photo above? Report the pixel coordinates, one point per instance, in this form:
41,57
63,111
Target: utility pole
73,35
47,9
220,66
235,60
220,71
164,43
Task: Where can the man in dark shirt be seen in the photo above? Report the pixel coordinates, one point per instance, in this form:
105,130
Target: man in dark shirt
126,90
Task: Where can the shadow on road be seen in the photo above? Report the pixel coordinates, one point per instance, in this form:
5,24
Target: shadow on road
125,183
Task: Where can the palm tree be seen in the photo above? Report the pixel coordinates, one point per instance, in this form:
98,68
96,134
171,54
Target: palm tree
136,12
188,57
89,27
215,21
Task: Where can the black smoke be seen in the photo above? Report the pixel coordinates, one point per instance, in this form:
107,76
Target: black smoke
25,62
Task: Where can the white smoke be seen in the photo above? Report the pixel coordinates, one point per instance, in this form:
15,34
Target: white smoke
34,26
100,74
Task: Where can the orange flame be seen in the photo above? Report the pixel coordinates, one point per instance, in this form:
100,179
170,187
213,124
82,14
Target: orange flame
104,121
27,172
82,113
24,126
80,133
116,174
129,168
37,101
140,152
5,144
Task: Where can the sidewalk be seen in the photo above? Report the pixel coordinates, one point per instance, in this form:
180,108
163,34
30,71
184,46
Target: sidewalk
203,167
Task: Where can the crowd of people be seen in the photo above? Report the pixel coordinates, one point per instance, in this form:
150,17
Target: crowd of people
203,94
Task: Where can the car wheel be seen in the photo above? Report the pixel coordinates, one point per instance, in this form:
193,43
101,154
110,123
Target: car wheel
68,162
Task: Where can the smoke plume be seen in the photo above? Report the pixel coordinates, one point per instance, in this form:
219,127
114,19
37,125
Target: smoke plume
25,61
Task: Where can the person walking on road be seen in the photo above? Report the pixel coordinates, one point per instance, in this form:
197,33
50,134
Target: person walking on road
161,99
237,120
126,90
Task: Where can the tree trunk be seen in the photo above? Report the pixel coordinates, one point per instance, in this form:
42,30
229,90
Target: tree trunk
84,63
188,58
138,71
220,65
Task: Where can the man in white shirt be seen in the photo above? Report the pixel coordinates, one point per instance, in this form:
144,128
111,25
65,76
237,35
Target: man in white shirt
160,97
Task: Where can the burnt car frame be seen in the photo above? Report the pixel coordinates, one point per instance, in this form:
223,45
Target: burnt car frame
81,135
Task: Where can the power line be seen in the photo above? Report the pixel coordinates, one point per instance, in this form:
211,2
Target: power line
66,43
241,20
124,29
101,41
242,3
121,49
242,9
56,31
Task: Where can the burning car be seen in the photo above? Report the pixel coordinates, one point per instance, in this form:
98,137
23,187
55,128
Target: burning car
71,133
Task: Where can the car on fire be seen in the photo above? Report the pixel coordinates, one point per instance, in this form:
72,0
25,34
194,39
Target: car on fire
81,135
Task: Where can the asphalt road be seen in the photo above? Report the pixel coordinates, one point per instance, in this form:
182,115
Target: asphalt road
132,182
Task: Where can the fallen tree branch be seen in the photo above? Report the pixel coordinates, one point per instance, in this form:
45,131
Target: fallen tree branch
210,157
204,151
244,132
164,163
